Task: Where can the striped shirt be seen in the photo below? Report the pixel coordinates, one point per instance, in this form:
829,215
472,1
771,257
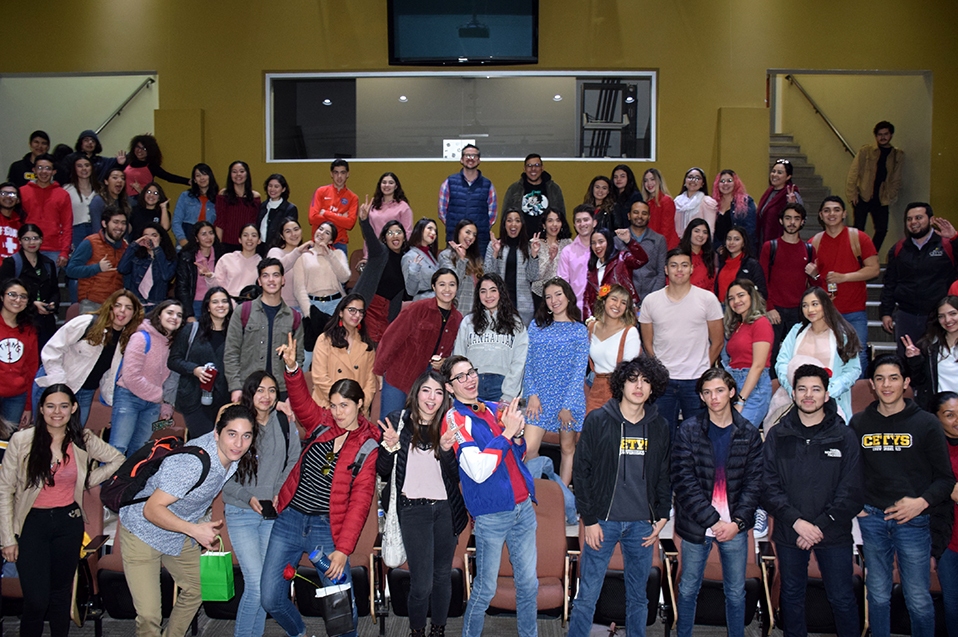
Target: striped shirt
315,479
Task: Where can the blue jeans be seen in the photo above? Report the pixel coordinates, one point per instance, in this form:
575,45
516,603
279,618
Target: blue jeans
80,232
391,399
859,320
343,247
638,562
197,309
912,542
835,565
542,467
249,535
11,409
490,387
517,529
132,421
84,398
734,554
948,578
680,394
293,534
758,400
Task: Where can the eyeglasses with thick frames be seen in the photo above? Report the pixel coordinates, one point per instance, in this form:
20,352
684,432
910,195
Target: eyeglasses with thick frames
353,311
14,296
461,378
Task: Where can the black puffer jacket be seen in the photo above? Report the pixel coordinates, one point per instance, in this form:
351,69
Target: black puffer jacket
817,480
749,269
693,476
447,462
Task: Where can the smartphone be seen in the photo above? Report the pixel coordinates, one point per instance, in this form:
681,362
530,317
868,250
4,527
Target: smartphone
269,511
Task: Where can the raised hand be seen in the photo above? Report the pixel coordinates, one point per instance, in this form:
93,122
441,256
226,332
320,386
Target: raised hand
365,208
390,435
553,251
944,228
911,350
288,352
513,422
790,195
624,235
202,269
535,243
458,247
495,243
449,438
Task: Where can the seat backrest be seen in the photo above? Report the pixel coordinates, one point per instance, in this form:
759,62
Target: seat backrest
550,533
862,395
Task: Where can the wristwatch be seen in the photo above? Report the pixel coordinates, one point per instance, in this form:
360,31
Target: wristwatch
740,523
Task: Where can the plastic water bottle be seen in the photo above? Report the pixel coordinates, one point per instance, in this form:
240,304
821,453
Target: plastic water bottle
321,561
206,397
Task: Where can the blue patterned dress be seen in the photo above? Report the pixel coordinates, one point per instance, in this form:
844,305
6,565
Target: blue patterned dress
555,371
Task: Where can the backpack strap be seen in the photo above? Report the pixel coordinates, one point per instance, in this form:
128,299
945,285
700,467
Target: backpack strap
245,310
856,242
284,426
772,249
18,264
193,451
810,251
368,447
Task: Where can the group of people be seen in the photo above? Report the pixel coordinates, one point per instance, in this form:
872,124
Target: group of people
479,353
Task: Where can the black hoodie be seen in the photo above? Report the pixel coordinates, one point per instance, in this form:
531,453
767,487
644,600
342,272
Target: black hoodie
818,480
597,463
903,455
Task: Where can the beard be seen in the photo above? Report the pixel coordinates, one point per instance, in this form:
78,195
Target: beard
918,235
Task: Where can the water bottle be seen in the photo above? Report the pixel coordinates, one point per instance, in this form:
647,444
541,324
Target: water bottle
206,396
322,564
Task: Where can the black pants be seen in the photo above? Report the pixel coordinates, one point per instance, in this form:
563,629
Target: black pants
430,545
879,215
200,421
49,551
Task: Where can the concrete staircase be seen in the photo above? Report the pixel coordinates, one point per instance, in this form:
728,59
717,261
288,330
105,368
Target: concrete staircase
803,175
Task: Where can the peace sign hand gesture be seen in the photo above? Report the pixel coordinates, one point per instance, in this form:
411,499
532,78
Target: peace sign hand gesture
458,247
911,350
790,194
390,435
288,352
534,244
495,243
365,208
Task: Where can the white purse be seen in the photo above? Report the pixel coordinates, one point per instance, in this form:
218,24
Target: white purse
394,552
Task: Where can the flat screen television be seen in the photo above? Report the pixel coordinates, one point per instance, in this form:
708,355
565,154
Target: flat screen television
463,32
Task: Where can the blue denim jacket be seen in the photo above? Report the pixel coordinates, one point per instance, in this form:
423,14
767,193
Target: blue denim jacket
187,212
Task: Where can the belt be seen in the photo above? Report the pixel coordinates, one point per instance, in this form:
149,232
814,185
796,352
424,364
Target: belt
323,299
406,502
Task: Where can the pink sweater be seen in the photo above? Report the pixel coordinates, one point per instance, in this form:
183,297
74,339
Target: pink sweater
234,271
145,372
288,259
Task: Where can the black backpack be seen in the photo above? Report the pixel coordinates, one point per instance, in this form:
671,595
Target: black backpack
121,489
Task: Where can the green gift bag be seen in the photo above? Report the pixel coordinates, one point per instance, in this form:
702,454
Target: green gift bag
216,575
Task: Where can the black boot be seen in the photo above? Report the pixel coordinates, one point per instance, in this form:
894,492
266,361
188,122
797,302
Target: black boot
437,631
417,632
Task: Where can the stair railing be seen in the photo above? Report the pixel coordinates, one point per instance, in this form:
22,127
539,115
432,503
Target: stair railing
818,110
147,82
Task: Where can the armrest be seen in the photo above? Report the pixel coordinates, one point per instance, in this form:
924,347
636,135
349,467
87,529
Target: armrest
860,551
668,547
765,551
94,545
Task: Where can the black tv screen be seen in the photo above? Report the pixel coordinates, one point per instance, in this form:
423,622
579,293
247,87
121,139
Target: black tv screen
463,32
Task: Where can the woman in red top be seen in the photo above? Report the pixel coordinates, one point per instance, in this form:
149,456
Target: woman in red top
661,206
422,335
19,356
697,241
236,206
736,262
947,563
609,266
749,346
142,165
781,191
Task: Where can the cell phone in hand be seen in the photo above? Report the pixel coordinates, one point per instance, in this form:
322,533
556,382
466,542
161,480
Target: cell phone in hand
269,511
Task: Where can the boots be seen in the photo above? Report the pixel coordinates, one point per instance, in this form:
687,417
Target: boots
437,631
417,632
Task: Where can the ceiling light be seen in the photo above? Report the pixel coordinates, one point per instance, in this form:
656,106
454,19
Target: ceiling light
403,99
327,102
629,100
556,98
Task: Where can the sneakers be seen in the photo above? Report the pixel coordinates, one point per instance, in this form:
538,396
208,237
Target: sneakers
761,523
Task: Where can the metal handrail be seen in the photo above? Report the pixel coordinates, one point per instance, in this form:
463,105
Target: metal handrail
793,80
147,82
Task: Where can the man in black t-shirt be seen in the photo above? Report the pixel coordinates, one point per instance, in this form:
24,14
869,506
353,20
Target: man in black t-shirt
535,194
874,180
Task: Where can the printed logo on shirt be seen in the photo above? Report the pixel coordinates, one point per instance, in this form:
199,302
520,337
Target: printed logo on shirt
633,446
886,442
535,204
344,201
833,453
9,245
937,252
11,350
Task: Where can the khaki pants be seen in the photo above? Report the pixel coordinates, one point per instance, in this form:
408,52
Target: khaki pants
141,565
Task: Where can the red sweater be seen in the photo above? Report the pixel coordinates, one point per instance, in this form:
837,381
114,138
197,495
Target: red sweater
409,341
348,508
51,210
662,219
19,360
619,270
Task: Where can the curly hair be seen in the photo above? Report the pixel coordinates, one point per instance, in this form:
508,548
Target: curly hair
647,367
153,154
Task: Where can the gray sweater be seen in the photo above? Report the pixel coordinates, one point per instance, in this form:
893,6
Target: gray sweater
271,472
493,353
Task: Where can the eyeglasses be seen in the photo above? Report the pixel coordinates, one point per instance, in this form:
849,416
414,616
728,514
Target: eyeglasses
726,181
470,156
353,311
8,195
461,378
534,165
395,233
139,147
14,296
43,169
155,193
329,466
693,178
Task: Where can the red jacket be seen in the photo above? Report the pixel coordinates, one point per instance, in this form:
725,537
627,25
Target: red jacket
662,219
348,507
408,342
619,270
51,210
19,360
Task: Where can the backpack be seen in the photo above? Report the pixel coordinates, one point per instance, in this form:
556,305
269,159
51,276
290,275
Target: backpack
121,488
945,246
361,456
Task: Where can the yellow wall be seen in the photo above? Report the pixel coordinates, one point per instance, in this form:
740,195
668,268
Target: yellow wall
710,54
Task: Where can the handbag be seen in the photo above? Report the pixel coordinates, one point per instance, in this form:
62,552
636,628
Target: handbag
216,575
394,552
336,604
